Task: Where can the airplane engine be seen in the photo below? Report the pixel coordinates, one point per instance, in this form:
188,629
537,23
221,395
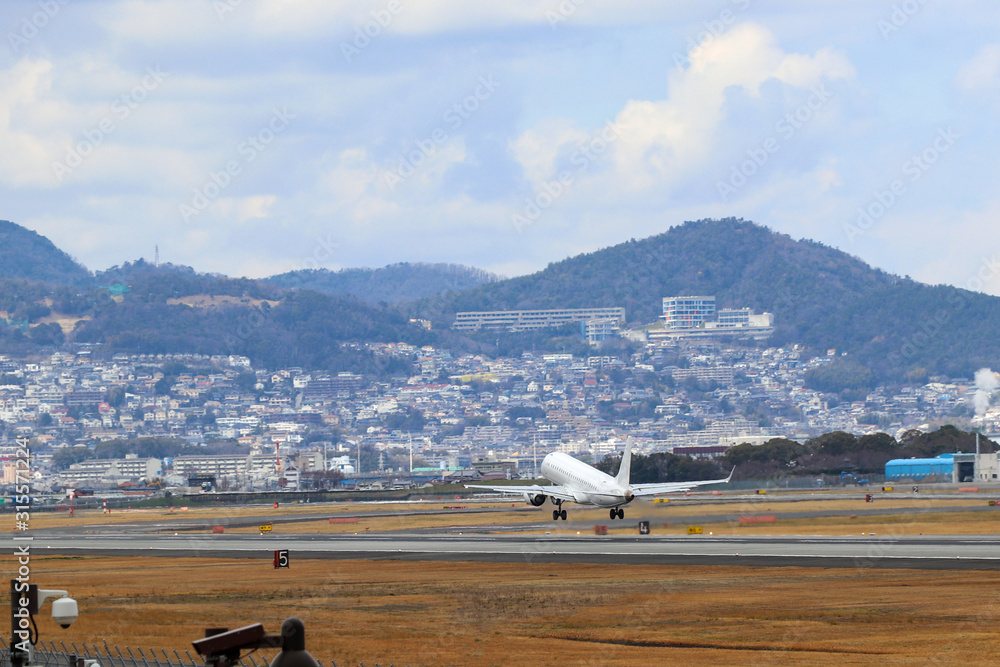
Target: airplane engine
536,499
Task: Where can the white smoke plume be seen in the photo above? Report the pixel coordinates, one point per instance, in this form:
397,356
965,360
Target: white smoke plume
986,384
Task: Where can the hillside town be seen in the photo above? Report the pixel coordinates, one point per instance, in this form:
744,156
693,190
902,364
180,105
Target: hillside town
456,418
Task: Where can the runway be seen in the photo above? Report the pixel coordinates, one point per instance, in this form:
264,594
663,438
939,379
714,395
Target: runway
915,552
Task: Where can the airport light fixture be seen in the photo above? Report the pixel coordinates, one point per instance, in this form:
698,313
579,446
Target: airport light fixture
25,602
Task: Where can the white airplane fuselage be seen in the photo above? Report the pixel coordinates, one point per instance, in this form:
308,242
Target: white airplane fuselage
588,485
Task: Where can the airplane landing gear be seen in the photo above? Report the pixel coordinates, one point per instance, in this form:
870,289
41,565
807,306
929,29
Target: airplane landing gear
558,512
617,513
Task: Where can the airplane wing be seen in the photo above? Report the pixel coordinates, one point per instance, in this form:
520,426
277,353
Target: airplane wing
558,492
674,487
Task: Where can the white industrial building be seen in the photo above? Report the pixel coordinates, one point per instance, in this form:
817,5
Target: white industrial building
525,320
131,469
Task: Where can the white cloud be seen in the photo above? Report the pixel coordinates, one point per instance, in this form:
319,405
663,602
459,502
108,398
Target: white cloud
254,207
659,141
982,71
25,98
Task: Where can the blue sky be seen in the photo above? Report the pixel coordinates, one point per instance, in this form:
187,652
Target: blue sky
250,138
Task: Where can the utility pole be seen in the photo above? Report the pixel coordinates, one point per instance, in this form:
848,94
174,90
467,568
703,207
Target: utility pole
534,450
975,467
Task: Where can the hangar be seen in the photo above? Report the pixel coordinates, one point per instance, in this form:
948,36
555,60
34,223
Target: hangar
956,468
941,466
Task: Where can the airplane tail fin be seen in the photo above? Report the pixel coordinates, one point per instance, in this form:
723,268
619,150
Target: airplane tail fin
625,470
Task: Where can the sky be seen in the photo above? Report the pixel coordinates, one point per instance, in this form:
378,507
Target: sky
252,137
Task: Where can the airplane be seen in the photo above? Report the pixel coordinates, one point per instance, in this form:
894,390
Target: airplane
577,482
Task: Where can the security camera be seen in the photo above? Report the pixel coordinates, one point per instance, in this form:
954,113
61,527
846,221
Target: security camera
64,611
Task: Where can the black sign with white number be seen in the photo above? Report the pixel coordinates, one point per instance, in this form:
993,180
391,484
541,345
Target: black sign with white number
281,558
644,528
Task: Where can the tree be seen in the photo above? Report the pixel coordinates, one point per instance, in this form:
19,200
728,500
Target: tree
836,443
246,380
411,420
877,442
47,334
777,450
67,456
163,386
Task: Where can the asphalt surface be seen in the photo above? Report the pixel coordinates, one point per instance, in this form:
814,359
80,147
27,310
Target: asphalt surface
176,536
863,552
634,512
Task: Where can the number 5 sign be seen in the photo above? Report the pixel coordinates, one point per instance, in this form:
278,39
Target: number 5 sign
281,558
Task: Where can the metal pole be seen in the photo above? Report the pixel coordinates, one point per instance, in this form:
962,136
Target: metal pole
975,465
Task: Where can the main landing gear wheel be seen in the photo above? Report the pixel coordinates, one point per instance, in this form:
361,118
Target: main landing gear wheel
617,514
555,515
621,514
562,515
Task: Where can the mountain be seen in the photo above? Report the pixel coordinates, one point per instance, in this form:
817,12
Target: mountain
891,328
390,284
821,297
27,255
161,309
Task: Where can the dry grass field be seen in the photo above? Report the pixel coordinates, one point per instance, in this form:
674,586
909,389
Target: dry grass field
407,613
441,613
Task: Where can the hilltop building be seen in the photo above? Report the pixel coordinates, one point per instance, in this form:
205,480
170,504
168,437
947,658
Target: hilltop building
597,323
687,312
697,317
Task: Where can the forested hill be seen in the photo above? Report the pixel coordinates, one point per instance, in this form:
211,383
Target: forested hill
175,309
741,263
892,328
821,297
27,255
390,284
141,308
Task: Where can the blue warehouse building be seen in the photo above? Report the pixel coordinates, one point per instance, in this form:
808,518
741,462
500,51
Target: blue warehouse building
942,465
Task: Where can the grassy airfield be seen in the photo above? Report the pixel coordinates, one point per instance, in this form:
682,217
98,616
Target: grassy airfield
429,613
444,613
